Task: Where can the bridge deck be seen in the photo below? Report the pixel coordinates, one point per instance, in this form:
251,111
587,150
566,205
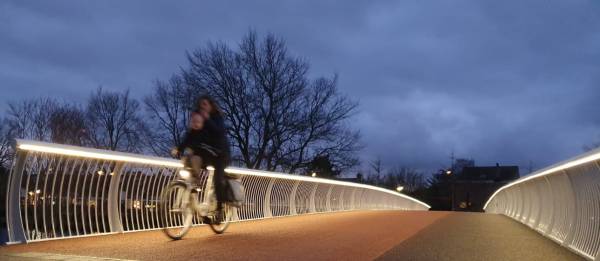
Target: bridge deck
387,235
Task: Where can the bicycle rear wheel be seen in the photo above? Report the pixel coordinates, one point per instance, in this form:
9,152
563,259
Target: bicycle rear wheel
220,227
177,210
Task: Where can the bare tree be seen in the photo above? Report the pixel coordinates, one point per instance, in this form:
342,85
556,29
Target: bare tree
41,119
318,129
6,149
168,112
278,118
30,119
375,177
67,125
408,178
113,121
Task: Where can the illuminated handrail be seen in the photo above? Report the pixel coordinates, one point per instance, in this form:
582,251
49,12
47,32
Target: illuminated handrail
562,202
59,191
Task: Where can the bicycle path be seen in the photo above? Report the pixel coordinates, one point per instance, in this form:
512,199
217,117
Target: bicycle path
359,235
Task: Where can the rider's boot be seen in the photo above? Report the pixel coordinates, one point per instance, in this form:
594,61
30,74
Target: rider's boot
218,214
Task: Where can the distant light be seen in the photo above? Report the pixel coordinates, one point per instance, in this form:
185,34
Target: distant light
112,173
314,174
37,191
448,172
100,172
399,188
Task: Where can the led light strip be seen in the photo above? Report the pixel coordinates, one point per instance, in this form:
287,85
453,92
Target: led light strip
94,153
585,158
128,157
317,180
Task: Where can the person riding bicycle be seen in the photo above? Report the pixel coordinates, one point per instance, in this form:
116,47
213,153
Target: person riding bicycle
216,132
213,135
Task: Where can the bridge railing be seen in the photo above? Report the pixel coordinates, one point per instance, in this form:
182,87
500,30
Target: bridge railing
562,202
58,191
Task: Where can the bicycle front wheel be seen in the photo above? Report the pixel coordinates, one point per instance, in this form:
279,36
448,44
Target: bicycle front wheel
220,224
177,210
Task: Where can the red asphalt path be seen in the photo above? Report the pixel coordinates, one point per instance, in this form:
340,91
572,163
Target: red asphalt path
359,235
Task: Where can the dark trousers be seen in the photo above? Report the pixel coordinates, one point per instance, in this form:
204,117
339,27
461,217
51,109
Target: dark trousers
219,179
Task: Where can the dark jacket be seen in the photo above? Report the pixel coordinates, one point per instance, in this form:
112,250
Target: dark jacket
198,141
216,134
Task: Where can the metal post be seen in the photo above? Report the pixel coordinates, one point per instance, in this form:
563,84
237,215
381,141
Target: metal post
267,203
293,198
312,206
114,201
328,202
553,213
540,193
570,235
14,224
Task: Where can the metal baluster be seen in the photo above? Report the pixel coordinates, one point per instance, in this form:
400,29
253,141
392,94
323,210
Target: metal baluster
140,195
60,193
127,176
87,173
89,206
74,201
17,232
52,202
108,175
36,198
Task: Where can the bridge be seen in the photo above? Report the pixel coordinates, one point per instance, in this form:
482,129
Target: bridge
74,203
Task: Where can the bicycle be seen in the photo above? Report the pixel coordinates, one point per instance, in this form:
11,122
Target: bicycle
184,197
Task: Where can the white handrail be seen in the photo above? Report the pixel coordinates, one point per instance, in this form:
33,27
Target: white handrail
61,191
562,202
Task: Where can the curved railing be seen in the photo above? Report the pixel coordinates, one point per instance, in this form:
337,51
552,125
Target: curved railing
58,191
562,202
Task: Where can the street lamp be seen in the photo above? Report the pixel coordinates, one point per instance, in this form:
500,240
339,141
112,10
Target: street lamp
314,174
453,183
399,188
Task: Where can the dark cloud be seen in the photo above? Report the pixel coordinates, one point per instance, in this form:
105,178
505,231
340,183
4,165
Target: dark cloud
497,81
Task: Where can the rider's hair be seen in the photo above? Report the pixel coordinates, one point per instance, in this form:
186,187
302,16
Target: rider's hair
216,109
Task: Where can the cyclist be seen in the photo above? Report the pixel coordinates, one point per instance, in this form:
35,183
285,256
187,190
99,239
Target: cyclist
216,135
208,139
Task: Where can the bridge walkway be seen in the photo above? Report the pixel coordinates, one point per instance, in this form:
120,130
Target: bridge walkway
358,235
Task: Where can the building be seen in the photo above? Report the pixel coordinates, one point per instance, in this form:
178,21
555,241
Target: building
474,185
460,164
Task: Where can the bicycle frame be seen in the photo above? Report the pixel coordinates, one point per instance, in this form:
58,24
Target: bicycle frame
208,203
